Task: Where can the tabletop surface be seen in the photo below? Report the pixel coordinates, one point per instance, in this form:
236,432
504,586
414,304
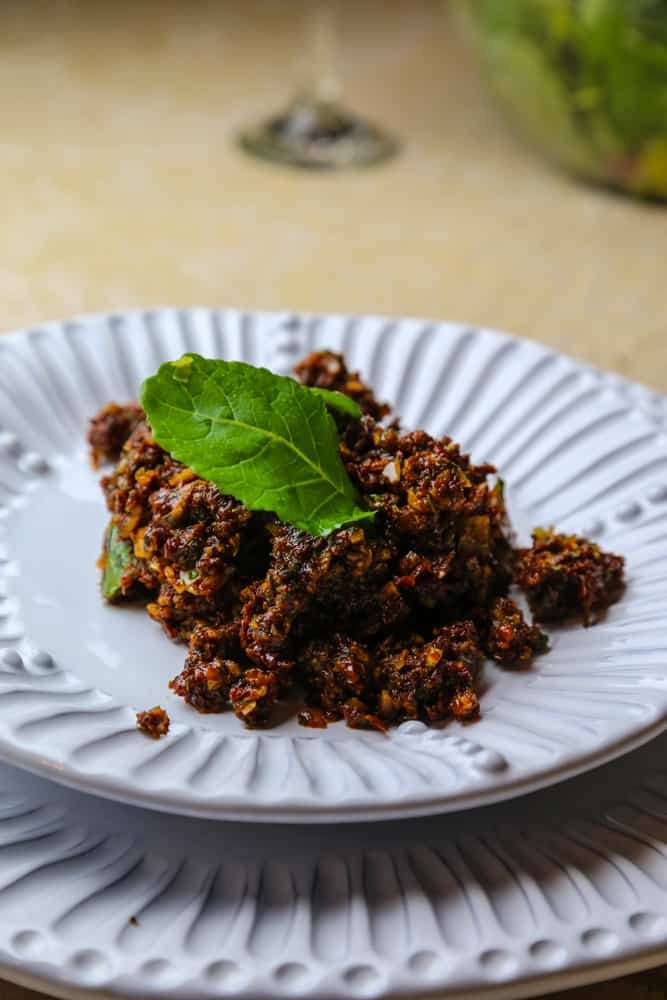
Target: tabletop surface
122,188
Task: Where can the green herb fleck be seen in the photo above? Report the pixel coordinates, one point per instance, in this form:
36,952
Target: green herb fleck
181,368
339,403
119,559
262,438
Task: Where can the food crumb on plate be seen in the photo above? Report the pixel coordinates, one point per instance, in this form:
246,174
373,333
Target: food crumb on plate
154,722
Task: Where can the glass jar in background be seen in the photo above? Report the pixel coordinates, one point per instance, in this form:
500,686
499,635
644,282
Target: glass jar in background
586,79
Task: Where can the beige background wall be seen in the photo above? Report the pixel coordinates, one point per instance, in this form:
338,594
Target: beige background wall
120,186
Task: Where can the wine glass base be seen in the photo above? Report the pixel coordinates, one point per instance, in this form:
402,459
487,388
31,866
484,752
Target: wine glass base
318,135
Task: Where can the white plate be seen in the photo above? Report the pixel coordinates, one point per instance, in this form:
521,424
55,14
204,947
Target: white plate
578,448
554,890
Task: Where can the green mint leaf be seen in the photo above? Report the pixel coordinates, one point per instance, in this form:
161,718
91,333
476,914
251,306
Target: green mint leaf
339,403
262,438
120,559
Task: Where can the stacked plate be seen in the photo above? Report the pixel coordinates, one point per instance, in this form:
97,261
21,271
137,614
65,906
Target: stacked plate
329,863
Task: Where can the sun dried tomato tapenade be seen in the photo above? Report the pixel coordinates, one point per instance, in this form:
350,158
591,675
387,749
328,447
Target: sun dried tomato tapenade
566,576
154,722
110,429
511,640
372,625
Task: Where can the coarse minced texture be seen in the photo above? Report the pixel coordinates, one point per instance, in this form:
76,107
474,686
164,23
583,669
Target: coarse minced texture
510,640
371,625
154,722
110,429
327,370
565,576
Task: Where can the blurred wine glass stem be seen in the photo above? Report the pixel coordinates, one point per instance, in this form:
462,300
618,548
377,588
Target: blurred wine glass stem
316,130
322,81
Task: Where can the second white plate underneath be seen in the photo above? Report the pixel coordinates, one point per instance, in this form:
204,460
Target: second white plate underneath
550,891
578,448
